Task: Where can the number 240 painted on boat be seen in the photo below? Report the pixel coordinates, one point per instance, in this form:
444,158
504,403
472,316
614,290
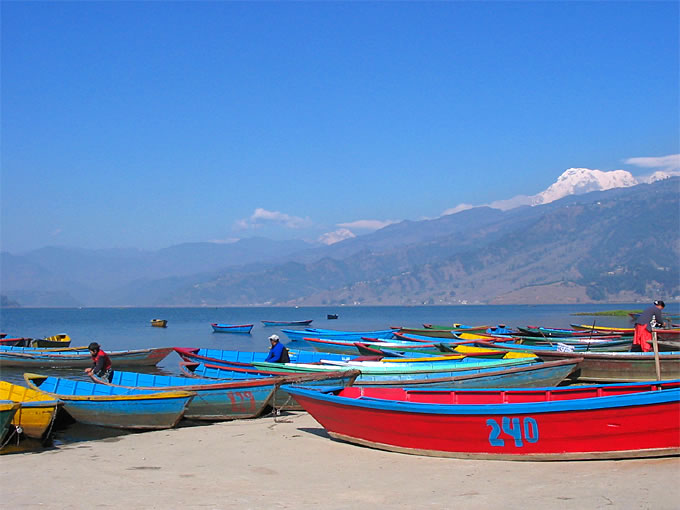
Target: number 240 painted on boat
511,426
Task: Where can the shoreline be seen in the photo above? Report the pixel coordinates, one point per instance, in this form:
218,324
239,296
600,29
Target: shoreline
289,461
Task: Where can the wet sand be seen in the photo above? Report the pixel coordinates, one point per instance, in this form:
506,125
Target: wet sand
290,462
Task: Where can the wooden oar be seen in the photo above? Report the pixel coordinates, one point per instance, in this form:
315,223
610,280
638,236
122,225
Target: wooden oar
657,364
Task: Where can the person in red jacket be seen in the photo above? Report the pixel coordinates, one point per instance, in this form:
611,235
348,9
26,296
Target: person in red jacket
650,318
101,363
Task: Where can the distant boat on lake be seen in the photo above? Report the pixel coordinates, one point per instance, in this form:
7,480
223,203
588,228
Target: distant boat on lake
61,340
232,328
287,323
159,323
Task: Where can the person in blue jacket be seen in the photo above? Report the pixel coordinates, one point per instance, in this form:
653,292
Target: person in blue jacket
278,353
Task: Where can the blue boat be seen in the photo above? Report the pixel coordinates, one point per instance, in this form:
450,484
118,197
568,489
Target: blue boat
246,358
281,400
214,400
111,406
232,328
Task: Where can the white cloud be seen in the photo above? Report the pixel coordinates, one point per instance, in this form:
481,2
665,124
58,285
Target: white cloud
458,208
336,236
670,163
262,216
367,224
230,240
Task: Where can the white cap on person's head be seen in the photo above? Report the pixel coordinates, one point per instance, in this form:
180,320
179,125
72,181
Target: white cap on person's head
274,338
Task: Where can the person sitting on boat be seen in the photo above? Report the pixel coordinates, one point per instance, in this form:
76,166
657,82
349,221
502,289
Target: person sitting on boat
278,353
651,318
101,363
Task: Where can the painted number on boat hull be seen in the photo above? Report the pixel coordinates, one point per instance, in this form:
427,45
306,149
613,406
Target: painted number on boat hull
527,431
242,401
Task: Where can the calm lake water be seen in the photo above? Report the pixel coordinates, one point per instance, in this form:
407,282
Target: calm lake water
130,328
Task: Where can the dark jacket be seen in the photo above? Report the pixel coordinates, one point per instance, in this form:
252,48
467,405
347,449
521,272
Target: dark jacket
651,317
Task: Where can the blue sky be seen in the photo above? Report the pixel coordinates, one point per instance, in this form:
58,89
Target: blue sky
149,124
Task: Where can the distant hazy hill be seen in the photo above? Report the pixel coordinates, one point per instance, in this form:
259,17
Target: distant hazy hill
617,245
58,276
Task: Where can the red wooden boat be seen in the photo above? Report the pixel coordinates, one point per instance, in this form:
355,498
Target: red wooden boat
16,342
561,423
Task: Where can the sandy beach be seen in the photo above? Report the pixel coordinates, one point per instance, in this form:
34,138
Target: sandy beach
290,462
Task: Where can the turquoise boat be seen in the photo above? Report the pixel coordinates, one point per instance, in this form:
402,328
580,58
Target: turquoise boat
526,375
111,406
382,367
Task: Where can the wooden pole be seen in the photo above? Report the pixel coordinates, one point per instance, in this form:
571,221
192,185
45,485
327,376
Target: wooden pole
655,345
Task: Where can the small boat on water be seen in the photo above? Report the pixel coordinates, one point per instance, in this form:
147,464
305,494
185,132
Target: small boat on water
434,331
232,328
61,340
38,410
287,323
565,423
111,406
333,334
16,342
31,358
331,316
159,323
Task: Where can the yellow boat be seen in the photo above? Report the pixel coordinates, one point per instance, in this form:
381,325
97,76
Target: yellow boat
61,340
480,350
159,323
37,409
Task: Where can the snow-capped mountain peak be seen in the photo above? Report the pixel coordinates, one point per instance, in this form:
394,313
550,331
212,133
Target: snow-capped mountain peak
576,181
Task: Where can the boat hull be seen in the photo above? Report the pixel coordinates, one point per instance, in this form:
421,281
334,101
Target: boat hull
7,411
214,400
31,358
619,367
232,328
287,323
645,424
61,340
37,412
109,406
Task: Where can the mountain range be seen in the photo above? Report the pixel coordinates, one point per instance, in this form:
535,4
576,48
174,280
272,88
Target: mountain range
617,245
